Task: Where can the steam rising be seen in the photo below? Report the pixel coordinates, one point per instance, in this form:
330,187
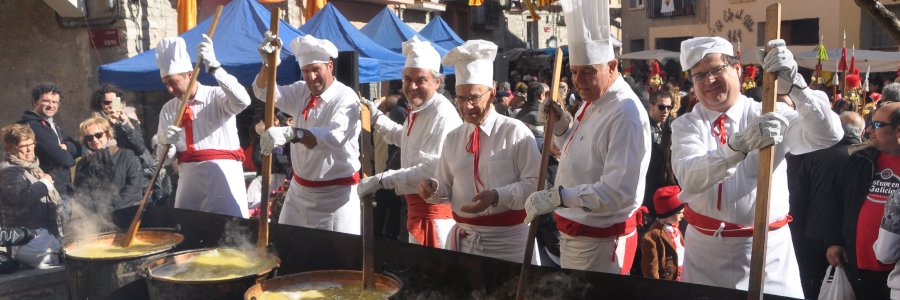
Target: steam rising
90,213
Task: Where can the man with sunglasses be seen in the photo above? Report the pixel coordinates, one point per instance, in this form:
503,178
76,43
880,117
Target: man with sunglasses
605,152
715,158
488,166
862,188
431,117
659,109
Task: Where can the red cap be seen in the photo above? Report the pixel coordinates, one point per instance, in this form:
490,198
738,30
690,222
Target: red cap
665,201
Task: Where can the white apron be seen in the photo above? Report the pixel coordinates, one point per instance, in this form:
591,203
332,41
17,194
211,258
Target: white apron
597,254
215,186
506,243
725,262
334,208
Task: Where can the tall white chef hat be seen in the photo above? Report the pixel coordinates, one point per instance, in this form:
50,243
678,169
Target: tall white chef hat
172,57
474,62
588,31
693,50
420,54
310,50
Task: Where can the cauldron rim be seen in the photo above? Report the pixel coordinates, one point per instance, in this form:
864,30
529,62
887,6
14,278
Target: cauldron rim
383,281
179,238
150,265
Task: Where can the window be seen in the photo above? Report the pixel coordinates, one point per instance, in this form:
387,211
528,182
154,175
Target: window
670,8
794,32
637,4
881,40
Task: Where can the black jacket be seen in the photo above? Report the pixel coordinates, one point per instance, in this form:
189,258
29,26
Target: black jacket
110,180
811,183
852,185
54,160
659,171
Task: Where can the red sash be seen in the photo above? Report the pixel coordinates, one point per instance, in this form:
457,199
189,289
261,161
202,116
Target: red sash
420,216
209,154
340,181
573,228
710,226
506,218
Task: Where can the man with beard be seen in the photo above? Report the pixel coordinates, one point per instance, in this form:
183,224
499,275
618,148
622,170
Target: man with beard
420,139
715,158
326,130
209,151
604,153
488,166
56,150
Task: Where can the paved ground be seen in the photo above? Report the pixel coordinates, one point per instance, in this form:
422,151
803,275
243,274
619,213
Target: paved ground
27,283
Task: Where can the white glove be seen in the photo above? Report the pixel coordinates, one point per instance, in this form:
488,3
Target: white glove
373,109
207,54
542,202
269,44
369,185
767,130
563,118
781,61
172,135
274,137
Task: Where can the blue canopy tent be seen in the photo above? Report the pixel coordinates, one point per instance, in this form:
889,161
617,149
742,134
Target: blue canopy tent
331,25
237,36
440,33
387,29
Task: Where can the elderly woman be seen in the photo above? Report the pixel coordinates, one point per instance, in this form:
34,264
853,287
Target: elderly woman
107,177
28,198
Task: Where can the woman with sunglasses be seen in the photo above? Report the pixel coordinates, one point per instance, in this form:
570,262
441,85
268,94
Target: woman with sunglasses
107,177
28,198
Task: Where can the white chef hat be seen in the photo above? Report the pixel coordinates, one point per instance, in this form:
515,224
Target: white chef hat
310,50
588,31
172,57
693,50
474,62
420,54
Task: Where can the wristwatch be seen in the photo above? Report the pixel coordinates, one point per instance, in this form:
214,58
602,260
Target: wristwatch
298,135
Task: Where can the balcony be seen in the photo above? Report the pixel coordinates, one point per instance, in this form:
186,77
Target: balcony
669,8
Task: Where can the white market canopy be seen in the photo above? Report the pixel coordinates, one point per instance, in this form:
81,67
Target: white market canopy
659,55
880,61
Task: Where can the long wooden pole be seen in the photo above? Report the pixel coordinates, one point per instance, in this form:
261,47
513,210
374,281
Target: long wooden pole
542,176
126,239
262,241
368,168
764,179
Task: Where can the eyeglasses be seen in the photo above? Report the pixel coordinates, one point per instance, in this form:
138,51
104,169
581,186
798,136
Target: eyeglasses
714,72
107,102
91,137
471,99
879,124
664,107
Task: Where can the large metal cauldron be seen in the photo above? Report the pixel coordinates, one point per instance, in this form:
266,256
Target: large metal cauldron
165,288
384,283
113,277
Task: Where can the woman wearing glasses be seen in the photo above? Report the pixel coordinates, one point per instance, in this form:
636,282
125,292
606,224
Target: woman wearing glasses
108,104
108,177
28,198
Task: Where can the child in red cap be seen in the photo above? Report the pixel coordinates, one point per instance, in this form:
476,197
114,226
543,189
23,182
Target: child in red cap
662,247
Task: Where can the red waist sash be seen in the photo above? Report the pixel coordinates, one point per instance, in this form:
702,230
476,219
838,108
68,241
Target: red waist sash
210,154
710,226
420,216
506,218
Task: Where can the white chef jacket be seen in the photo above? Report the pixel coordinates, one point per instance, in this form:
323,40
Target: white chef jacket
700,163
509,163
604,159
334,121
421,146
216,185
